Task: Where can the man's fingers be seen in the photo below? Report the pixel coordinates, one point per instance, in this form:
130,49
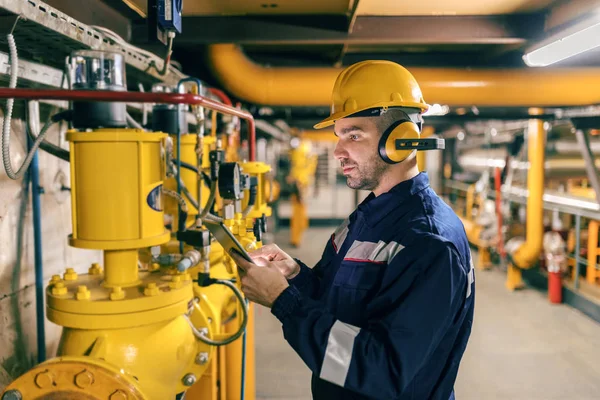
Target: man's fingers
269,251
260,261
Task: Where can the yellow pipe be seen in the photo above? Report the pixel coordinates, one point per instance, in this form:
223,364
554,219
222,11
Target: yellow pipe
527,255
451,86
120,268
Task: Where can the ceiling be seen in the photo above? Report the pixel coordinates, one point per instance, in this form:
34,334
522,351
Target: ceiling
327,33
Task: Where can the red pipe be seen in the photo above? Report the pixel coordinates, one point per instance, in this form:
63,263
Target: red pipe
221,95
136,97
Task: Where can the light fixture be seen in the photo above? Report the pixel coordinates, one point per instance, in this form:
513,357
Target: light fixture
572,41
436,109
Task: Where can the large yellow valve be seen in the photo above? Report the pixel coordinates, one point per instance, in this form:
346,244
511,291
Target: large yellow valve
158,317
116,178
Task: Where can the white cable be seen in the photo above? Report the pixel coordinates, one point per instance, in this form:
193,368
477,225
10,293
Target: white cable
177,197
14,67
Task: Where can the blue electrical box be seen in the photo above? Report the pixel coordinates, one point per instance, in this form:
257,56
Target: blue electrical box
169,15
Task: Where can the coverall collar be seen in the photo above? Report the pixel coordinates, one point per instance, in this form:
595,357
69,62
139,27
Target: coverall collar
375,208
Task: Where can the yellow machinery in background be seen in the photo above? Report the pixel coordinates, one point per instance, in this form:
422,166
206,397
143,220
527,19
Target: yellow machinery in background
163,316
302,171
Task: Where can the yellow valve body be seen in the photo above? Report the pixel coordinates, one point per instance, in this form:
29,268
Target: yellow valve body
141,329
116,185
259,170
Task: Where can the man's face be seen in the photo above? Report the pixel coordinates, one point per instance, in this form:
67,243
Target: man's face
357,152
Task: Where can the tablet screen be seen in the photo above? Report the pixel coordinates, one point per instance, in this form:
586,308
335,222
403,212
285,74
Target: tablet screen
226,238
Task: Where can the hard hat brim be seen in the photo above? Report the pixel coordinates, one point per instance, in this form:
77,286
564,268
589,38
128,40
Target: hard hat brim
344,114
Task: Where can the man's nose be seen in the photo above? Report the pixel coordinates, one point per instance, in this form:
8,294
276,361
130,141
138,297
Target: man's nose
340,152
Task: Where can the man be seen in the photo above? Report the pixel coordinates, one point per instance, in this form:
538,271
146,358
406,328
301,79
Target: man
387,311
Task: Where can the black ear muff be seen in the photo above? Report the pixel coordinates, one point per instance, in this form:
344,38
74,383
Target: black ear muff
395,143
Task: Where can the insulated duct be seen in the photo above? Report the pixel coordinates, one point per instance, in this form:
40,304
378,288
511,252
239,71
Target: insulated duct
569,165
285,86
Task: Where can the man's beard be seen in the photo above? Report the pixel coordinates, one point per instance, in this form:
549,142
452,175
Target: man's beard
368,175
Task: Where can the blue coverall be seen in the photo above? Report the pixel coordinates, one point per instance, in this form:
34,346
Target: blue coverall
387,311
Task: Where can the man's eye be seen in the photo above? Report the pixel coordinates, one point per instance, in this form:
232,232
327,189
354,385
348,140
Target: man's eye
353,137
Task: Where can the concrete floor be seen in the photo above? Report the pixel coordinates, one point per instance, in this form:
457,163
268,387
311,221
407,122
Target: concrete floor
521,347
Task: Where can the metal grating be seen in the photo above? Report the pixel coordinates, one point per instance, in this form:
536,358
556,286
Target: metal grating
48,36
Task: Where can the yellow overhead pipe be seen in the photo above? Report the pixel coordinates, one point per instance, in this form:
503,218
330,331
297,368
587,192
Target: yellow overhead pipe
286,86
528,253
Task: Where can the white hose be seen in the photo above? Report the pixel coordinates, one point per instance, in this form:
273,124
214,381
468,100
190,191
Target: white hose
132,122
14,67
177,197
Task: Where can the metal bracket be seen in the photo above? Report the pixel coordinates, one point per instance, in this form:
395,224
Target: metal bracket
590,162
421,144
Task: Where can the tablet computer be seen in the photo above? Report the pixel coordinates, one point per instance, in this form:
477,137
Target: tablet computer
225,238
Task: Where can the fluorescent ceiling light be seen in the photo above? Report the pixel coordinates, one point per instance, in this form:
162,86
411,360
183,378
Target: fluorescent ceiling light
569,43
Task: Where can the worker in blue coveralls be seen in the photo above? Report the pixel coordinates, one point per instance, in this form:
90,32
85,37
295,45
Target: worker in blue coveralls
387,311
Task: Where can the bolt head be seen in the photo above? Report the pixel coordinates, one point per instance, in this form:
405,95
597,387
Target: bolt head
202,358
117,293
44,379
188,380
12,395
95,269
118,395
70,275
83,293
84,379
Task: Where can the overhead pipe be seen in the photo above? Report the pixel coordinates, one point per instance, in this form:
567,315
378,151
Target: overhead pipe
137,97
528,253
556,167
311,86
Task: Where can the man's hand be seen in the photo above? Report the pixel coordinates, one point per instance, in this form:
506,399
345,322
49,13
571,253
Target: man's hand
262,282
278,258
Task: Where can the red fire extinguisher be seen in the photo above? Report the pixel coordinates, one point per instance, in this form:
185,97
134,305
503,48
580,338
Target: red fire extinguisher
554,285
554,247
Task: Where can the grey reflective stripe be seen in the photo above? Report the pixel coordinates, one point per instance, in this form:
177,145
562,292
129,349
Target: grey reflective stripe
380,252
470,275
340,234
338,354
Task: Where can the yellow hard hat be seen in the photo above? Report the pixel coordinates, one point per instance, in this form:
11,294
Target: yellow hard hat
373,84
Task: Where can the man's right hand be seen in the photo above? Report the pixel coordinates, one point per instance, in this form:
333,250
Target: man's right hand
278,258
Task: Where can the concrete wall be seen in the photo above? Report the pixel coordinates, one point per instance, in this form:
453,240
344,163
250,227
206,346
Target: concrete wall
18,349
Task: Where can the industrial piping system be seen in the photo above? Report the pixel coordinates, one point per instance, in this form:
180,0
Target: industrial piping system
149,333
